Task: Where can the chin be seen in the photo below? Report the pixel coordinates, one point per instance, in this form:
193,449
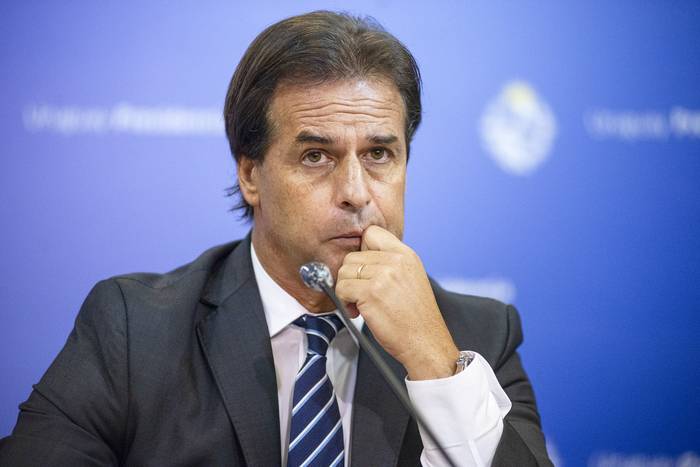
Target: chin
332,254
333,261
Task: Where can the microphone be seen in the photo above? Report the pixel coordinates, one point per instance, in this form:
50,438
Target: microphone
317,276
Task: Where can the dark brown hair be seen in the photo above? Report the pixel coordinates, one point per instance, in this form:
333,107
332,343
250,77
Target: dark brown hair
313,48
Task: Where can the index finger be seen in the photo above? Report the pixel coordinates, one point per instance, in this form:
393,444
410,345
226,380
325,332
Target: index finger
365,257
377,238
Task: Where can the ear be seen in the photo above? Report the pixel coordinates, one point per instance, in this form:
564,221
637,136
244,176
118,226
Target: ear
247,170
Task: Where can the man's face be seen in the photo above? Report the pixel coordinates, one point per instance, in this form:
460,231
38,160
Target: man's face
336,165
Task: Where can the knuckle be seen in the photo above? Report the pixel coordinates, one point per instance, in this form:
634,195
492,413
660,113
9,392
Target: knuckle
379,284
340,288
350,257
410,258
393,274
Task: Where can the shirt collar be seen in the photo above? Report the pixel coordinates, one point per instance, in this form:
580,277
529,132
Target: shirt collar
280,308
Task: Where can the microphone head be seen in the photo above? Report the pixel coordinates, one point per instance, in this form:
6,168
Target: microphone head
314,274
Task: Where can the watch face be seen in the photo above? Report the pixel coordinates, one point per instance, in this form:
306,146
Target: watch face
465,358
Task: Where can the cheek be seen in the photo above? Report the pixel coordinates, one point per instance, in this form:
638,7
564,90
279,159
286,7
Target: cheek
390,200
300,203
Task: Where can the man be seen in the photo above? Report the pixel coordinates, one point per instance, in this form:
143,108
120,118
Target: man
231,360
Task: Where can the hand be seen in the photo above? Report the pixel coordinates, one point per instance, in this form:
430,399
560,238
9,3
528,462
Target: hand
394,297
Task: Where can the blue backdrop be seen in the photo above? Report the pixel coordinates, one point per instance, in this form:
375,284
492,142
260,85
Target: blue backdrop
557,168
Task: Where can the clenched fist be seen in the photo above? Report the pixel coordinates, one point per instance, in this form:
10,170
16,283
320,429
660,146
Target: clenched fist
387,284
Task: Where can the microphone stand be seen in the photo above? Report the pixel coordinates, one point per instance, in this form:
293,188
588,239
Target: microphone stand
396,386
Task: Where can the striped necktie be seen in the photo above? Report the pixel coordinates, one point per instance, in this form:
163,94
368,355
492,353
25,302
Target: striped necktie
316,434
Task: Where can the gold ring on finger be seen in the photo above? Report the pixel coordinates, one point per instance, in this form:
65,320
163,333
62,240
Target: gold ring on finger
359,271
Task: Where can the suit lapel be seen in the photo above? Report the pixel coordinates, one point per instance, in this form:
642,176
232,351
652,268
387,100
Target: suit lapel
236,343
379,420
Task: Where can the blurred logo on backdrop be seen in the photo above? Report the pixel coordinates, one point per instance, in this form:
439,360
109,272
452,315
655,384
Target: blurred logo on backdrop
612,459
518,129
124,117
633,126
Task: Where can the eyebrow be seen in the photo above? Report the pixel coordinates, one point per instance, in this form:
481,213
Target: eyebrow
308,137
383,139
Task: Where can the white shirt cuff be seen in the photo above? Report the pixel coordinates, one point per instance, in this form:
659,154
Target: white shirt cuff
465,412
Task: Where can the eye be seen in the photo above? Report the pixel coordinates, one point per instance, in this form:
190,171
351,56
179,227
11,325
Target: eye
378,155
314,158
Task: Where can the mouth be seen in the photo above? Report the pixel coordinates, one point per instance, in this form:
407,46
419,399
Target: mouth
348,240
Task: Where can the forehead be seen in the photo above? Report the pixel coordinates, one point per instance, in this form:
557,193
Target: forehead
364,105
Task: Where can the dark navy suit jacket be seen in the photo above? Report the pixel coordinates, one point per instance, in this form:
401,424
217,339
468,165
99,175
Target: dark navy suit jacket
176,369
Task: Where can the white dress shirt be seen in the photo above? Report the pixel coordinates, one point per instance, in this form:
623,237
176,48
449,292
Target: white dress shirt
465,410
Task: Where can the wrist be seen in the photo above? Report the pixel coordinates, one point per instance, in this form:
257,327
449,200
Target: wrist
433,365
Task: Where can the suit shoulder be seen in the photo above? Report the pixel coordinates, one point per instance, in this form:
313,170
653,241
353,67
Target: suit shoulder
172,295
484,308
483,324
207,262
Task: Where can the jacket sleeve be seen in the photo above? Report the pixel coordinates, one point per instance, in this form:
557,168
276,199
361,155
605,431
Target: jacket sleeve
522,442
76,415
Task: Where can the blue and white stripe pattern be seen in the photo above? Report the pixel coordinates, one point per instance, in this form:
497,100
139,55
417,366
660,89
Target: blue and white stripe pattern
316,435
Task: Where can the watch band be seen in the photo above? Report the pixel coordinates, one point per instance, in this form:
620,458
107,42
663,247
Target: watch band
464,359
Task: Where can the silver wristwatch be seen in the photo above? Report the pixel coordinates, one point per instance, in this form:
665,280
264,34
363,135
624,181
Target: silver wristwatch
465,358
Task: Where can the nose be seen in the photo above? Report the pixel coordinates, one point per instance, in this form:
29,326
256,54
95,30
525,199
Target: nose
352,189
